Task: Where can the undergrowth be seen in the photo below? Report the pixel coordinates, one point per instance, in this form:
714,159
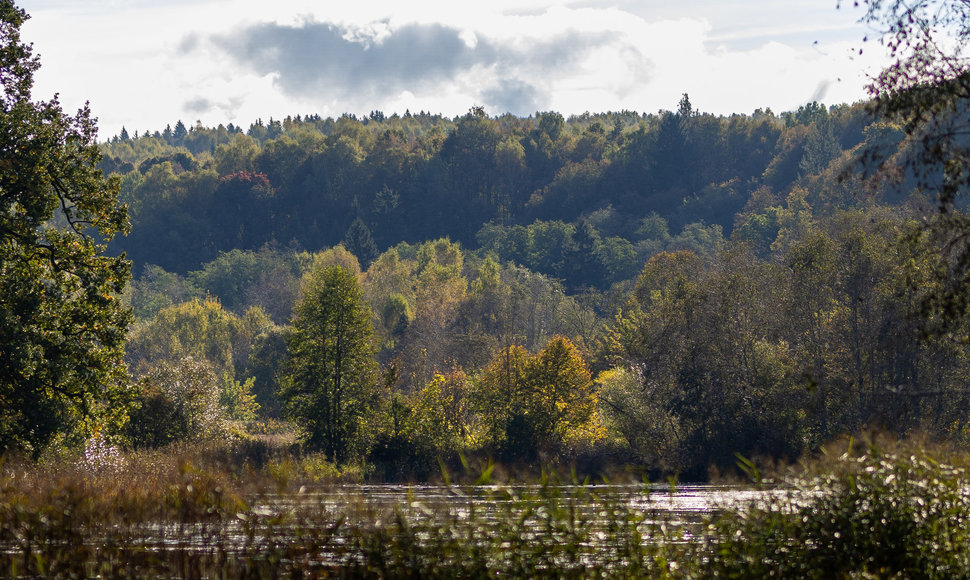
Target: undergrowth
873,509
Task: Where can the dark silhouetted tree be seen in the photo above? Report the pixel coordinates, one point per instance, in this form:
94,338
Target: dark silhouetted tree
360,243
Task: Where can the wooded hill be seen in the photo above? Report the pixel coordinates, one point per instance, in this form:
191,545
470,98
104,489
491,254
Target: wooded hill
592,185
752,283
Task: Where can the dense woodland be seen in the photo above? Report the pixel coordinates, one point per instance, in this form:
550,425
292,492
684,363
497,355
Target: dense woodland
661,290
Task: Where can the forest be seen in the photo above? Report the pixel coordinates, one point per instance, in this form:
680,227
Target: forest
659,290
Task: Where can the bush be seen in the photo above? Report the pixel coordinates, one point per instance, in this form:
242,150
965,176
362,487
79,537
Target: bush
177,401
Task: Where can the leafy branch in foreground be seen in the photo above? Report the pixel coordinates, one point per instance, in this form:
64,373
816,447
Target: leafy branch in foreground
926,92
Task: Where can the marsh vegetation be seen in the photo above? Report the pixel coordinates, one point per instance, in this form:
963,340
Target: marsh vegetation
863,509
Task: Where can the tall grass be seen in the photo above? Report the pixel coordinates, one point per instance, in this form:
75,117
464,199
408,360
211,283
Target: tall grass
875,509
201,513
872,510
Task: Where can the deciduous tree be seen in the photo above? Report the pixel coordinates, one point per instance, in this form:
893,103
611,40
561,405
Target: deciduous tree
177,400
331,384
926,91
62,330
533,403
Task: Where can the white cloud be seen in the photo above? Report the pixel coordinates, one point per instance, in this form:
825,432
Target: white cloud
146,64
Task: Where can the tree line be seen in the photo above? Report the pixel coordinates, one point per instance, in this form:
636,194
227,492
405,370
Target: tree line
764,349
371,183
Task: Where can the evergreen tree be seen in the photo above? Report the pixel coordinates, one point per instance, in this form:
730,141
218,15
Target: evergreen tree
360,242
821,147
178,135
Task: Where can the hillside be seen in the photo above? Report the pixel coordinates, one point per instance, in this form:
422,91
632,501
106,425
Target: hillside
591,185
753,284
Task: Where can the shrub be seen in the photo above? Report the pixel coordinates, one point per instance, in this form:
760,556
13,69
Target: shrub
177,401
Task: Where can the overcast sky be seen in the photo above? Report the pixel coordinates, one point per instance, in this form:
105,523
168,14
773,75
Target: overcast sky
143,64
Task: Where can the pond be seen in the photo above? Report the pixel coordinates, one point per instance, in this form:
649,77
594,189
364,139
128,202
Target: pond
488,507
686,503
680,507
556,522
512,529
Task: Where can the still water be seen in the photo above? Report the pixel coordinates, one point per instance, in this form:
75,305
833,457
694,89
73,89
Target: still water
679,505
304,524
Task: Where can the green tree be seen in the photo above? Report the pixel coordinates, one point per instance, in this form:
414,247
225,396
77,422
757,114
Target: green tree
439,289
266,363
331,385
336,256
178,135
62,330
500,393
821,147
360,243
156,289
388,288
236,398
236,155
240,279
700,372
199,329
441,413
177,400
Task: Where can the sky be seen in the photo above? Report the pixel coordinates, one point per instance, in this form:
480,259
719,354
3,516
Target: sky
145,64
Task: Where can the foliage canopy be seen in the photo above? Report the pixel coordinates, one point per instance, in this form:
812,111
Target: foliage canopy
62,329
926,91
330,386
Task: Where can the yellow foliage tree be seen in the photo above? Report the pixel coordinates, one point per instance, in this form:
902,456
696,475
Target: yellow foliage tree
198,329
537,403
440,412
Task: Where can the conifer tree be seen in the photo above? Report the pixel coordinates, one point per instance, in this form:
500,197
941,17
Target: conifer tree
360,242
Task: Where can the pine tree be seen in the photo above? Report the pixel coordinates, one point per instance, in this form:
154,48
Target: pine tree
360,243
178,135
